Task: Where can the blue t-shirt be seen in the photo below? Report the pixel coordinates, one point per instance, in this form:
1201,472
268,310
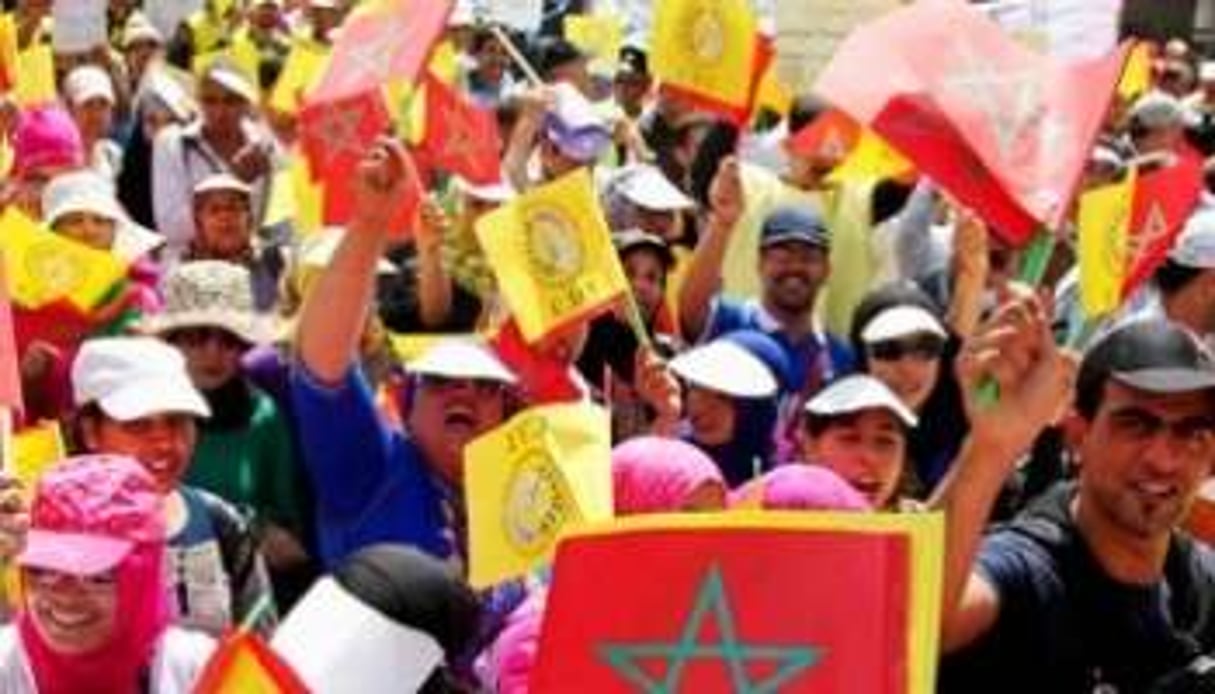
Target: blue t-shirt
372,484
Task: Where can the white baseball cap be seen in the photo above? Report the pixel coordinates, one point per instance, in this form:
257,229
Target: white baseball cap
902,321
227,75
134,377
222,181
645,185
88,82
726,367
858,393
458,357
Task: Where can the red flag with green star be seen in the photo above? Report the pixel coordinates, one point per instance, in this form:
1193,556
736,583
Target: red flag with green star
1163,200
460,138
1005,131
746,603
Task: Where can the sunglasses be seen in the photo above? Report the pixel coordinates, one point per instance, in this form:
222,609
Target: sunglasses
924,348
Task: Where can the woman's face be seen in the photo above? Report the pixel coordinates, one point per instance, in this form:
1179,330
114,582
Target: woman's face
224,223
648,278
73,614
93,230
867,450
909,366
212,355
711,415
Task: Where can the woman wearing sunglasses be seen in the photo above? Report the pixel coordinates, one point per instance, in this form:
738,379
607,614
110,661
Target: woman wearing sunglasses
900,339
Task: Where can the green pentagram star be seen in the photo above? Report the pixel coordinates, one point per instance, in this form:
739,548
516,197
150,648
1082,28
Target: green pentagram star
711,596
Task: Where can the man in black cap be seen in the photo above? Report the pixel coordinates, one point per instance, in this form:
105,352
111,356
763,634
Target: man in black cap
633,81
1092,588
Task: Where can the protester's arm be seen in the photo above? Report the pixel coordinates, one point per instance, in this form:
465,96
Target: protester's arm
703,277
333,315
1017,350
434,285
970,267
532,106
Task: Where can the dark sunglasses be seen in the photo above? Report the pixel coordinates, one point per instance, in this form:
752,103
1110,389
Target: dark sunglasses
926,347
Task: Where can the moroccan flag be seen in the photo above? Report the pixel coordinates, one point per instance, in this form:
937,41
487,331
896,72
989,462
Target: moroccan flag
460,137
873,158
552,253
832,134
383,41
1164,199
244,663
706,48
1005,131
746,602
543,378
44,266
1102,245
336,134
542,473
10,377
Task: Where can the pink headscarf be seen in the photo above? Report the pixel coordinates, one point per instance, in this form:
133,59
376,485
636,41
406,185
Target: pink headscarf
800,487
656,475
506,667
104,496
46,136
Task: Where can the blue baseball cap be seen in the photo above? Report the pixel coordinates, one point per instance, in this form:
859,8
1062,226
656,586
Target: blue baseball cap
794,224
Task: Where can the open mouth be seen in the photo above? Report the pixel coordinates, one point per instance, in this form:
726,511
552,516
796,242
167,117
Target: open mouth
1157,492
459,417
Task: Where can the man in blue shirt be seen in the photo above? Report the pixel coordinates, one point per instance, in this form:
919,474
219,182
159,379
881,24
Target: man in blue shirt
795,245
372,483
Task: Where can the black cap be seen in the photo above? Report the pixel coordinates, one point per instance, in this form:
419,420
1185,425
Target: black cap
633,239
1153,355
553,52
800,224
632,61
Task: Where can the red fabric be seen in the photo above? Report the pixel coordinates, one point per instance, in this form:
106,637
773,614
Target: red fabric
460,138
830,132
336,134
388,39
844,595
543,379
338,201
10,377
1005,131
1164,200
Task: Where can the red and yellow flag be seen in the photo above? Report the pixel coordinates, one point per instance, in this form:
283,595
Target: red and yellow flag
706,48
551,251
746,602
44,266
244,663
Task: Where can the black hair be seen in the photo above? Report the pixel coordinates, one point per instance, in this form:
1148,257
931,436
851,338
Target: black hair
1172,277
878,300
804,109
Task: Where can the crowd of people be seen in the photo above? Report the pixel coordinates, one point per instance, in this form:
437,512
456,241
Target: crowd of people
243,431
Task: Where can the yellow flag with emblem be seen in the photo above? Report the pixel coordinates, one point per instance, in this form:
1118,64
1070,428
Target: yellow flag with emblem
706,47
1103,238
552,254
44,266
544,472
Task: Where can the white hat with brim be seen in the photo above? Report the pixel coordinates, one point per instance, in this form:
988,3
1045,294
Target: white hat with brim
140,28
87,191
858,393
250,328
222,182
902,321
645,185
211,294
75,554
461,358
1195,246
134,377
88,82
725,367
232,79
502,191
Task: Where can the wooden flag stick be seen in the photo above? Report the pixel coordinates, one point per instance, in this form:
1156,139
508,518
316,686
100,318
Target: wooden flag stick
528,70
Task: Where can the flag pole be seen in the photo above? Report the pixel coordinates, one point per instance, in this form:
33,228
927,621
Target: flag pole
520,60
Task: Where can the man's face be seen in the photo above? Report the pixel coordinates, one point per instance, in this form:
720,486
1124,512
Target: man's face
791,273
162,443
93,117
447,413
224,223
222,110
1143,457
631,90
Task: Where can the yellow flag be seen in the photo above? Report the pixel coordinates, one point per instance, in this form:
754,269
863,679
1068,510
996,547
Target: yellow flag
552,253
44,266
542,473
705,46
1137,74
1103,221
35,75
871,158
598,35
35,450
305,65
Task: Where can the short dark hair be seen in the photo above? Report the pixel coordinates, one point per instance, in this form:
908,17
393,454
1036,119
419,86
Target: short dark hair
1172,276
818,424
804,109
